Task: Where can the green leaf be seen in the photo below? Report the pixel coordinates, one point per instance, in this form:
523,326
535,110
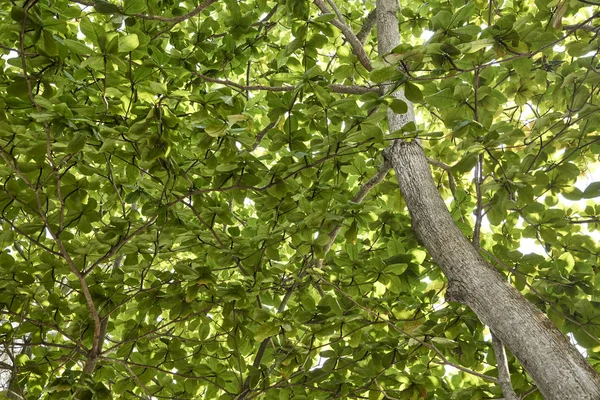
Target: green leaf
266,330
211,188
523,66
91,30
580,97
128,43
591,191
397,269
104,7
441,20
398,106
464,13
441,99
6,261
325,18
77,47
50,44
475,45
134,6
412,92
217,130
384,74
138,129
573,194
158,87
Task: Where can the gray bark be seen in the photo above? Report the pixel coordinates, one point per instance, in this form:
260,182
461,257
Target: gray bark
557,368
367,27
388,37
503,370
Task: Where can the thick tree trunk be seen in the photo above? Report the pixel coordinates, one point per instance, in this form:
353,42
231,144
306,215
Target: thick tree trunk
557,368
555,365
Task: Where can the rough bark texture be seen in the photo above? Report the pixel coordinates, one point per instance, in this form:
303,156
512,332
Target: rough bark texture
387,22
367,27
558,369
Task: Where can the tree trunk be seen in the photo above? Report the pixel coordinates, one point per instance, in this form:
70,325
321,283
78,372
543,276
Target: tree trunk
555,365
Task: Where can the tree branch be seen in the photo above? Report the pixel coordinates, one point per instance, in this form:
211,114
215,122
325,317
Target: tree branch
260,135
345,89
478,178
342,89
556,366
367,27
503,371
358,198
137,379
448,169
337,11
585,27
584,221
357,47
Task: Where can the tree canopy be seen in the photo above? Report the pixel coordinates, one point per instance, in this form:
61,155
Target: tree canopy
194,201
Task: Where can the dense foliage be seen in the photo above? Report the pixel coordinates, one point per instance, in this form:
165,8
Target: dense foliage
174,177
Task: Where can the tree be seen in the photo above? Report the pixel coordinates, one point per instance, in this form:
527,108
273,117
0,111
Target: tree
196,200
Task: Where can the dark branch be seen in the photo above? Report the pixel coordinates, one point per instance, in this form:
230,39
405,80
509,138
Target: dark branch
585,27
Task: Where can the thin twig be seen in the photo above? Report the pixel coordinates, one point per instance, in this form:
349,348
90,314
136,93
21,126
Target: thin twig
503,371
18,51
260,135
343,89
337,11
358,198
585,27
137,379
479,209
448,169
